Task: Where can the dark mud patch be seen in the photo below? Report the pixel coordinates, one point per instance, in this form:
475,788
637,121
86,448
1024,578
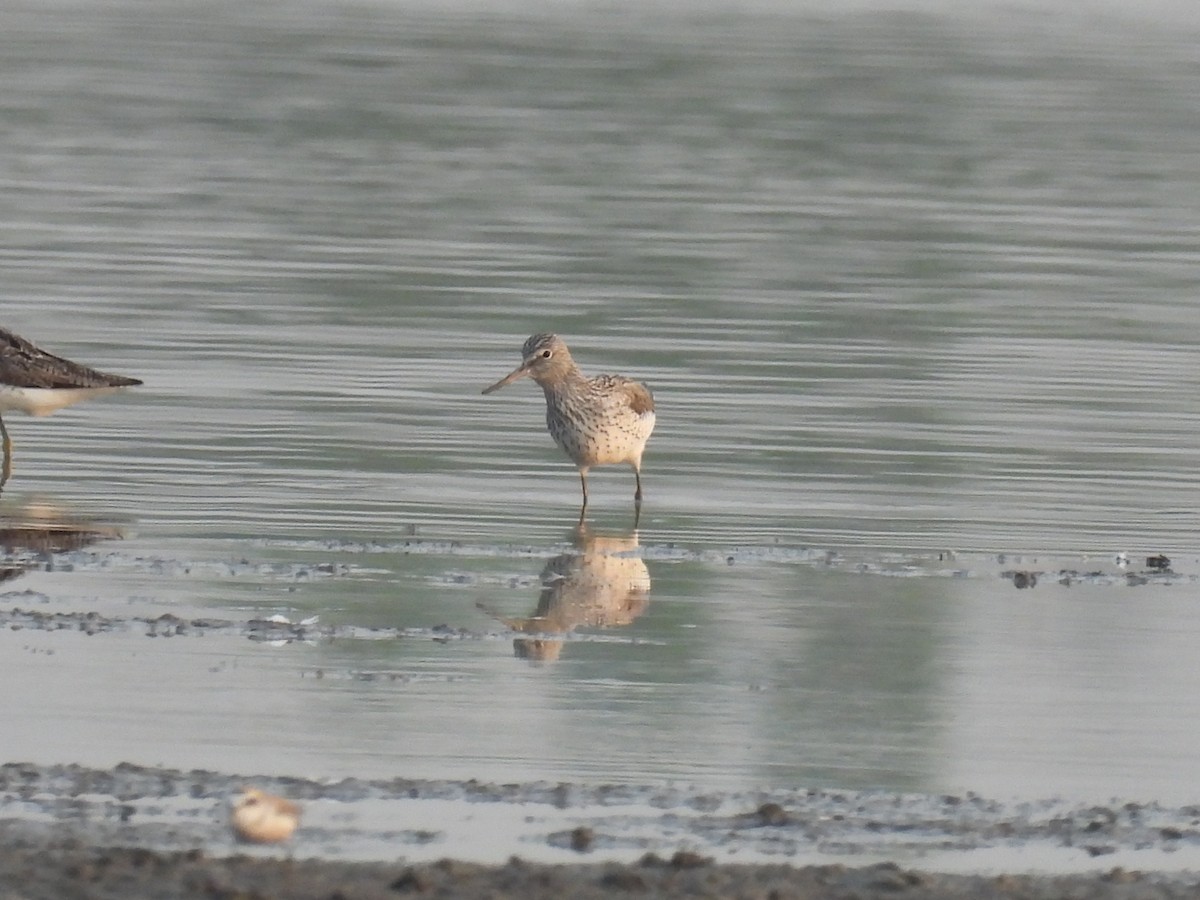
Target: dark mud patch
276,629
329,560
50,870
1116,568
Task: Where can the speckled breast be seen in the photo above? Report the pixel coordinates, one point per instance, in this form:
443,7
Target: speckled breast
598,434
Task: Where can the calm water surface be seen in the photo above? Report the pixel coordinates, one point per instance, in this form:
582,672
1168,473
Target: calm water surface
915,292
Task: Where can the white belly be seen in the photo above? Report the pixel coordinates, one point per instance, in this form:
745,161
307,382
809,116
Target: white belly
43,401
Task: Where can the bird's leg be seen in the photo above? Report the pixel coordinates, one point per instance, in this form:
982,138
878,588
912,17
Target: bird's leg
7,454
583,481
637,498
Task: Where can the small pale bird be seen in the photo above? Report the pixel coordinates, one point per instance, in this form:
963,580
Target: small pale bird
38,383
597,421
262,818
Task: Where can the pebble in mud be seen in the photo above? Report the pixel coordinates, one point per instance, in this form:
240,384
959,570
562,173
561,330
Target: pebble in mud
582,839
1024,579
772,814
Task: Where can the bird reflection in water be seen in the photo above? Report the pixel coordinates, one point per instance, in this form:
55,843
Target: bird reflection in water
602,583
31,532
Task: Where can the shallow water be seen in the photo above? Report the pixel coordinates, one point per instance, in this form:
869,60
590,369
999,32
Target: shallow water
915,294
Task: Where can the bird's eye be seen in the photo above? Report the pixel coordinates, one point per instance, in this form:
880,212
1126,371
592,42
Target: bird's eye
546,354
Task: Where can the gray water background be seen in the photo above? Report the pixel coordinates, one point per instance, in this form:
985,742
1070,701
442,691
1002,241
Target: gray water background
915,291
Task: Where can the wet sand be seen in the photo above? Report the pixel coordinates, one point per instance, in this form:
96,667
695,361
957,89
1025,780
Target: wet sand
54,870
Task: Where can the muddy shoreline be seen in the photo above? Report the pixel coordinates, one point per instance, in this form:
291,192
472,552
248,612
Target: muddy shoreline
52,870
74,831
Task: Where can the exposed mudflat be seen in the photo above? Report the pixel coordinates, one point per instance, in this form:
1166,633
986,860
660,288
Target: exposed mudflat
53,870
138,831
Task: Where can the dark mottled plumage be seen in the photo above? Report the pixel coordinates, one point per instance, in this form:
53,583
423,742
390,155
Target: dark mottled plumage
24,365
36,382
